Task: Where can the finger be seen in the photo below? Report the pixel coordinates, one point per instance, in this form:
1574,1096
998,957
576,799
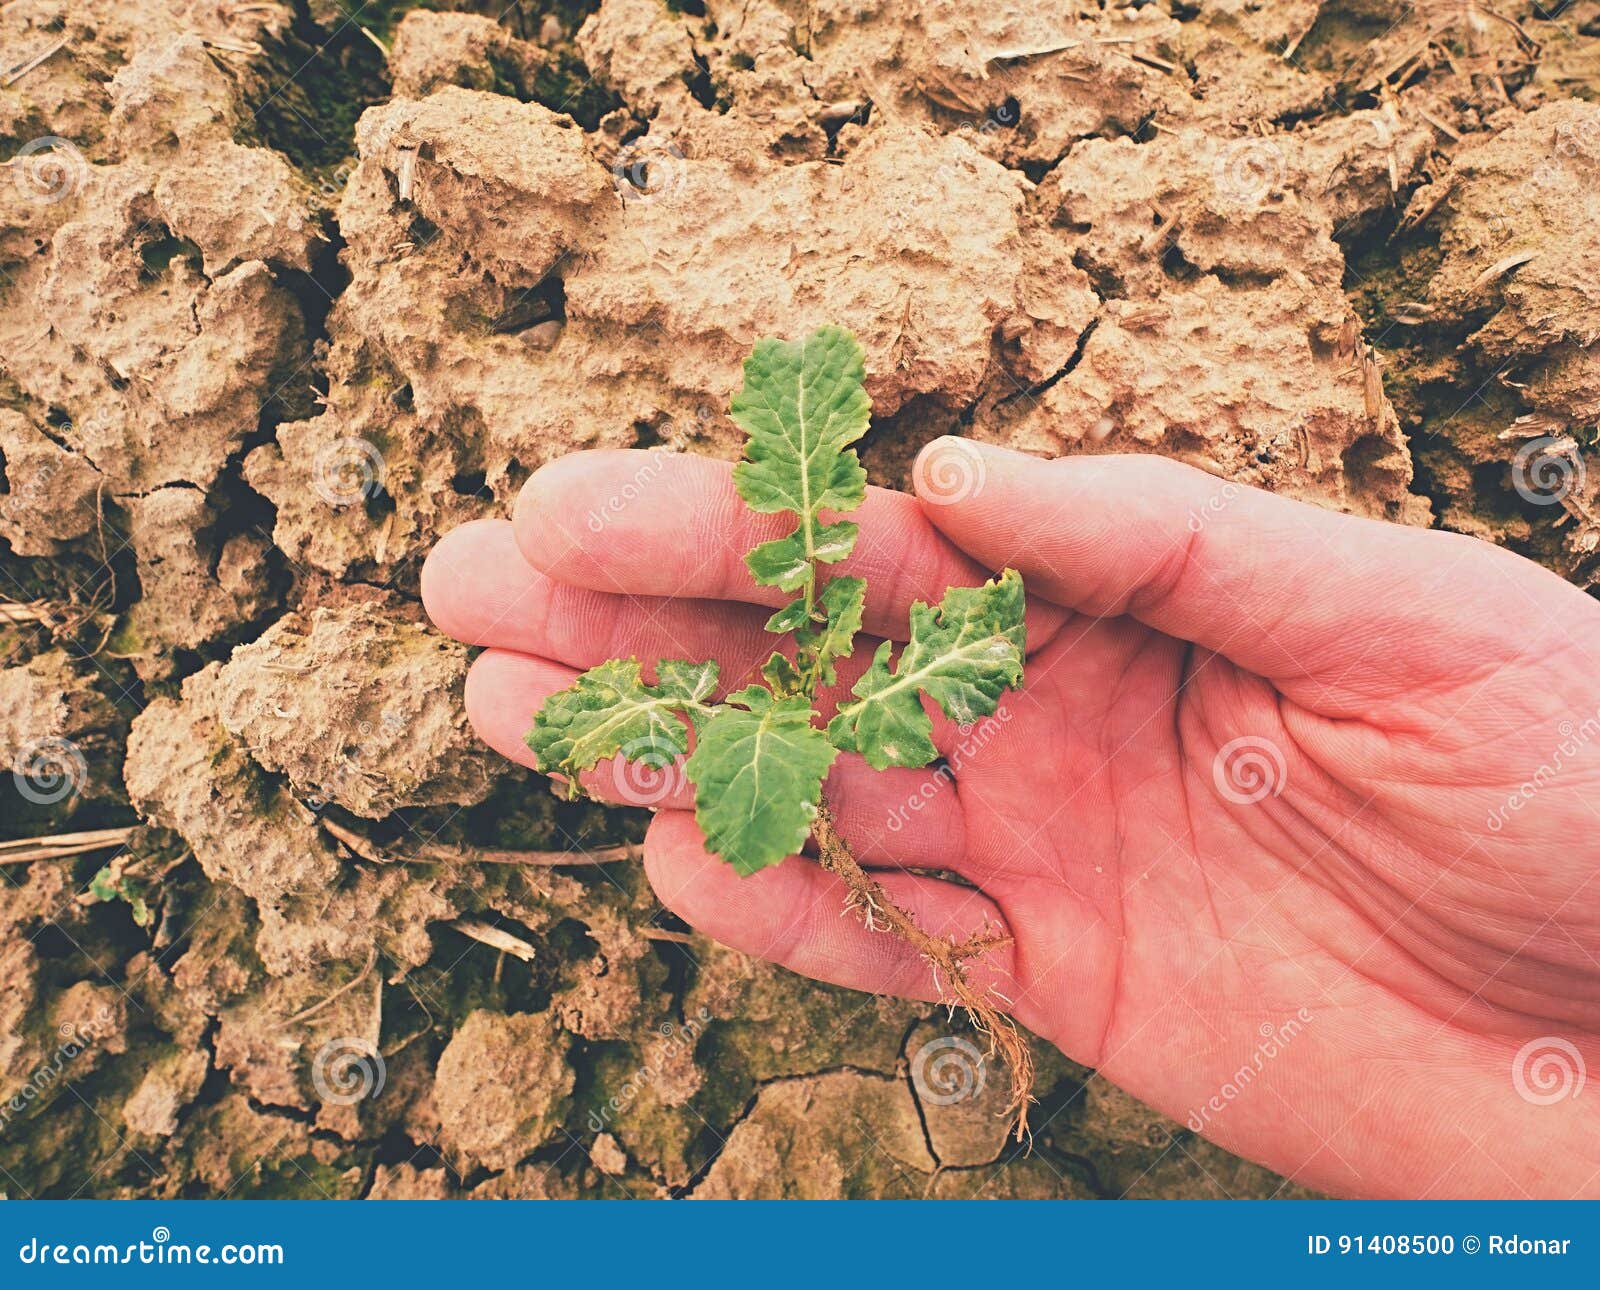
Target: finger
669,524
477,587
900,817
505,689
479,591
1285,589
791,915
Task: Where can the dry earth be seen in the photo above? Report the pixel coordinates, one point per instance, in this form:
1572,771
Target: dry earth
289,289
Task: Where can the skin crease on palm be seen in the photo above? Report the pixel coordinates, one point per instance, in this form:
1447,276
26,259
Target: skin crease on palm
1238,817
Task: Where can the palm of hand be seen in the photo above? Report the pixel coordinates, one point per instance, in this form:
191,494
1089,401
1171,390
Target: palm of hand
1275,908
1223,862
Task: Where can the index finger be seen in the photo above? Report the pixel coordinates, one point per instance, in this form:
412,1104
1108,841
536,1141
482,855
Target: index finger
652,523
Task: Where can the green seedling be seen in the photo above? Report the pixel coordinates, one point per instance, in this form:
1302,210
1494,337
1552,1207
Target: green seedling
762,752
109,885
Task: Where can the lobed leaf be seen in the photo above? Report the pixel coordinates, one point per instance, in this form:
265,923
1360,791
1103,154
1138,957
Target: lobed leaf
962,655
786,562
803,403
843,601
791,618
757,768
692,682
610,710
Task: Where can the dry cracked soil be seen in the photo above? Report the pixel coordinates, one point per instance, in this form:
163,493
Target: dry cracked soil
287,290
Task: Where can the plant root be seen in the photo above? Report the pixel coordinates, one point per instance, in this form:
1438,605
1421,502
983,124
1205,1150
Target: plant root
949,961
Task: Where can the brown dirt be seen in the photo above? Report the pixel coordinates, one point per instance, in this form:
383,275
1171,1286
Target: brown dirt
285,297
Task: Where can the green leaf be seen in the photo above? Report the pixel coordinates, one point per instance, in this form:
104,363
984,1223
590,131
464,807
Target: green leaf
802,404
782,676
143,915
786,562
757,769
693,682
842,602
107,886
962,655
609,710
790,618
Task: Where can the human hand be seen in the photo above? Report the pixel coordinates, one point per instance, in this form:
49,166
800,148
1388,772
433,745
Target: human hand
1293,826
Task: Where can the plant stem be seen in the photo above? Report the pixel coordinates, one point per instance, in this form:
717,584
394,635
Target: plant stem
948,960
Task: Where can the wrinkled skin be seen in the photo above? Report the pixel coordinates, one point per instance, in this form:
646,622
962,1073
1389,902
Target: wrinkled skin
1362,948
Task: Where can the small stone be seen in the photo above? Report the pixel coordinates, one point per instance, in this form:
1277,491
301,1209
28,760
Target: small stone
608,1156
